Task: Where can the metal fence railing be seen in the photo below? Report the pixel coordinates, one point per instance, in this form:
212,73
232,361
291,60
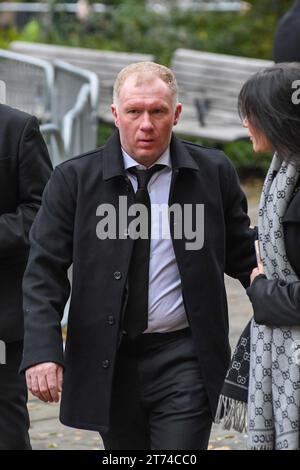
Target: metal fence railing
64,98
75,102
55,143
29,83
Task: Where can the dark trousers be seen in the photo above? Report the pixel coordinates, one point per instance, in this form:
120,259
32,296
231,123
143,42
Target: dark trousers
14,419
159,399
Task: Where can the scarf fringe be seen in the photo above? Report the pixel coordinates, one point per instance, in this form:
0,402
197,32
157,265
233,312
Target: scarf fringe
232,413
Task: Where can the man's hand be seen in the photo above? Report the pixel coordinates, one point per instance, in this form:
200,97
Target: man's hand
45,381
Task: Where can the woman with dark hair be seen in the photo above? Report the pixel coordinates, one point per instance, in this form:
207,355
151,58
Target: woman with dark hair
264,377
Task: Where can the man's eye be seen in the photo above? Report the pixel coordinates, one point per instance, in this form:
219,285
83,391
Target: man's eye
132,111
159,112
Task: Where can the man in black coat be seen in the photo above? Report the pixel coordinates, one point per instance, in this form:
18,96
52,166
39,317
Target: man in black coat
24,170
147,346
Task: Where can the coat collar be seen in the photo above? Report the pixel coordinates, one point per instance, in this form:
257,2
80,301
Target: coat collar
113,165
180,156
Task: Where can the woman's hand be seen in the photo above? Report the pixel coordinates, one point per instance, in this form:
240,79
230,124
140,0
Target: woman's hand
256,272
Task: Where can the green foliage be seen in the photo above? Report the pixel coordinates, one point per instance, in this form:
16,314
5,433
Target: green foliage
246,161
104,132
8,35
32,31
130,26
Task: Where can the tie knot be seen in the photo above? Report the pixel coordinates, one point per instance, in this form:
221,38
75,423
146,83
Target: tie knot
144,176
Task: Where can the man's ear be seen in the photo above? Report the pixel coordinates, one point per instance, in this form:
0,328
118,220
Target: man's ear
177,113
114,111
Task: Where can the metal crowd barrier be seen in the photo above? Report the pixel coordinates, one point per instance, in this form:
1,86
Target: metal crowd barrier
75,102
29,83
63,97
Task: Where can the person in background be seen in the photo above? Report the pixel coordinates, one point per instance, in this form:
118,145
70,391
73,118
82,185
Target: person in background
24,171
286,44
266,364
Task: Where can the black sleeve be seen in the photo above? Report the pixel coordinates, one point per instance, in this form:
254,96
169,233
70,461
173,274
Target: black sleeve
46,286
34,169
292,242
240,251
275,302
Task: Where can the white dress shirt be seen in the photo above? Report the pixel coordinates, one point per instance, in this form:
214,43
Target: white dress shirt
166,309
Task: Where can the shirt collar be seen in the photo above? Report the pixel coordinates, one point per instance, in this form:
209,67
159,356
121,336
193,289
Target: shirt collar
113,160
164,159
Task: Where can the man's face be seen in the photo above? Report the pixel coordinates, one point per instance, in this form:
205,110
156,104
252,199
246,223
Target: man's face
145,114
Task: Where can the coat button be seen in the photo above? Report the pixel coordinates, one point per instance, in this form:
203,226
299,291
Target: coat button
117,275
111,320
105,364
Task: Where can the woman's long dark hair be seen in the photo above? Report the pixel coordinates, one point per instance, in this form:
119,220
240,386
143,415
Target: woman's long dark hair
268,101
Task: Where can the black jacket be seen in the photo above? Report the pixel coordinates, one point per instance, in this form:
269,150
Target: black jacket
276,302
65,232
24,170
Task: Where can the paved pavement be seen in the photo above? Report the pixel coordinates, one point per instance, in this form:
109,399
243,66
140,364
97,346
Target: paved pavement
48,433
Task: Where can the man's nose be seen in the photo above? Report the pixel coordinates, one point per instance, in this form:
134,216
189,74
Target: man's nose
146,122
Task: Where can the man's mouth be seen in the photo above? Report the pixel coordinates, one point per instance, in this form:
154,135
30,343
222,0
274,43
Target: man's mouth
146,141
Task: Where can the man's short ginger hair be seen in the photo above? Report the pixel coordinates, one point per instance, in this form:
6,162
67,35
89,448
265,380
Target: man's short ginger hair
145,71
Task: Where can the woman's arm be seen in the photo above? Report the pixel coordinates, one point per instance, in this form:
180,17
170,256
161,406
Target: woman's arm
275,302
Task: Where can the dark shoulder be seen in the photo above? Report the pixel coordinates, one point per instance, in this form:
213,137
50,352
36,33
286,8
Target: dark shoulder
79,162
83,167
14,117
80,171
207,155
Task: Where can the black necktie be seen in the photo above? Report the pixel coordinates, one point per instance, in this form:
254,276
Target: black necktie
136,315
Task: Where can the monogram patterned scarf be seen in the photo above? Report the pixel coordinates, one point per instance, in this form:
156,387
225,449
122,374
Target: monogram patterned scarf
263,380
